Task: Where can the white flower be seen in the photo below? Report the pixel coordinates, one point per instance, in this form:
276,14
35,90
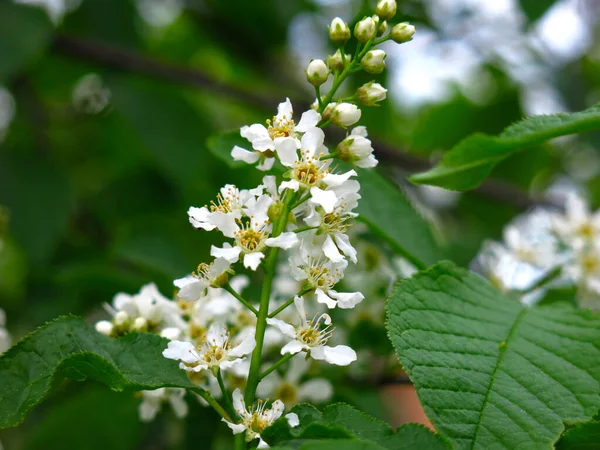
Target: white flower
403,32
253,236
226,211
317,72
357,149
346,114
386,9
216,352
322,276
255,420
371,93
584,269
5,341
339,31
331,228
578,225
311,336
291,390
265,140
156,313
152,402
195,287
374,61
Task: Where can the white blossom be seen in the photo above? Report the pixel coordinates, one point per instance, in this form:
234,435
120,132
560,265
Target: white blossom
365,30
311,336
346,114
339,31
357,149
216,351
152,402
255,420
374,61
371,93
195,287
317,72
578,225
265,140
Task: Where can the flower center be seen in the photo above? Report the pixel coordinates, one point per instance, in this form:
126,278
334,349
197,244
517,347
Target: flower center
335,222
287,393
281,127
590,264
214,354
307,173
226,203
321,277
251,239
317,331
586,230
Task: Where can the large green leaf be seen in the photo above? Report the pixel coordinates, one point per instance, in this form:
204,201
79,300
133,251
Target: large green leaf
340,423
71,347
24,33
489,372
585,436
387,212
469,163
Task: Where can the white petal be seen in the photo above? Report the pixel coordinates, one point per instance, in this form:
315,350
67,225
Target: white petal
292,184
254,132
359,131
262,444
282,326
285,110
276,410
244,348
235,427
313,140
284,240
292,419
332,179
171,333
331,250
231,254
309,120
347,300
180,407
266,164
241,154
317,390
199,218
367,163
322,297
148,410
327,199
292,347
217,334
252,260
299,304
238,401
340,355
181,350
225,222
343,242
287,151
193,291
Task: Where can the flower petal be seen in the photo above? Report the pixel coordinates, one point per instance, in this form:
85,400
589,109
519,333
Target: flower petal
347,300
284,240
181,350
252,260
331,250
244,348
340,355
322,297
309,120
231,254
287,151
282,326
241,154
292,419
292,347
327,199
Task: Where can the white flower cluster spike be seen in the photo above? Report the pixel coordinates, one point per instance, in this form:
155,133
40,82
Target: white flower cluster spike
545,249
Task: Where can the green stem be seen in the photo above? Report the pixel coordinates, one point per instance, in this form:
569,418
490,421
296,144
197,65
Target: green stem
307,228
288,303
263,311
226,396
283,360
299,202
213,403
240,442
330,156
242,300
319,99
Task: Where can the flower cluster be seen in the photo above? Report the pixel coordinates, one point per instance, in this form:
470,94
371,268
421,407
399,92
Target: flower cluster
293,229
546,249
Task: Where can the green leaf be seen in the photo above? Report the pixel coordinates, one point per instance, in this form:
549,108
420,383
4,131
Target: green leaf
469,163
24,32
110,422
585,436
387,212
489,372
71,347
341,422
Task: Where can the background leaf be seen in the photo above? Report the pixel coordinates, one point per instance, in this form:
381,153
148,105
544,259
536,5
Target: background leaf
468,164
585,436
489,372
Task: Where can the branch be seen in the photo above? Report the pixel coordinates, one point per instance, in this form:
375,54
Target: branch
128,61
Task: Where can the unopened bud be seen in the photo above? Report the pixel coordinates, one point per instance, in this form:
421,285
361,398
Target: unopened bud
104,327
346,114
371,93
140,324
336,62
328,111
403,32
317,72
221,280
357,149
121,318
365,30
383,26
275,211
339,31
386,9
374,61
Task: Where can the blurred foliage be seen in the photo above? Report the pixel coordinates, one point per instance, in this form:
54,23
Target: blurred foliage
97,202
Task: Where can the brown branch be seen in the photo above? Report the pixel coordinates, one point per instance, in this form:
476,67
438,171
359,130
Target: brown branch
128,61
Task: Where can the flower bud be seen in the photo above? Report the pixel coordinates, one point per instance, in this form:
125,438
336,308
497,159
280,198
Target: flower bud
339,31
121,318
357,149
386,9
365,30
317,72
336,62
403,32
371,93
221,280
275,210
328,111
140,324
104,327
346,114
374,61
383,26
